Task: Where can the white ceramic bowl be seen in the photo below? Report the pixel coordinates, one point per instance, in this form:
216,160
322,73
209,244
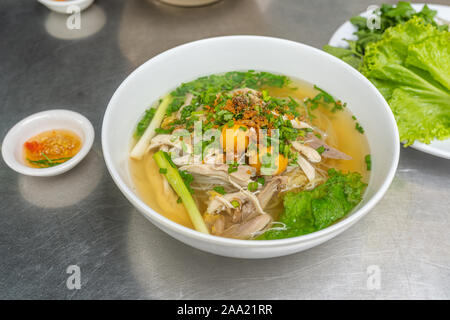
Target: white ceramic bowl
166,71
12,146
62,6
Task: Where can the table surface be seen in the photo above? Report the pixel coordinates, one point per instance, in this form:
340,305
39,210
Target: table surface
81,218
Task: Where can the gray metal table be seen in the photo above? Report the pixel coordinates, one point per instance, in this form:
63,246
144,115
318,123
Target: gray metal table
82,219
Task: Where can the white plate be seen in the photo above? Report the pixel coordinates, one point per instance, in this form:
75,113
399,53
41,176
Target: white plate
439,148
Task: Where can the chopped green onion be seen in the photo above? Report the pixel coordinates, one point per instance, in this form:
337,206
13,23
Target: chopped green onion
252,186
235,203
368,160
220,189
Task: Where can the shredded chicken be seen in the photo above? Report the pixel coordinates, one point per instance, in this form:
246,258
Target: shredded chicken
310,153
307,168
241,177
271,188
329,152
170,140
248,229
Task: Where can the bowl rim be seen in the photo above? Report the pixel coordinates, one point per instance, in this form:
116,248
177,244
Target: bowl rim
63,3
148,212
86,127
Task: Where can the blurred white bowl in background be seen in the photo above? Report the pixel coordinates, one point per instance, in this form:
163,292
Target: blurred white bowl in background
64,6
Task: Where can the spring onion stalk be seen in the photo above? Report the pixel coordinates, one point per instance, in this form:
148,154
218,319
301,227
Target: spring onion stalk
177,183
141,146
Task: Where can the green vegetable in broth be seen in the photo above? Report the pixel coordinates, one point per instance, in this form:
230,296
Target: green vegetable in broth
176,181
309,211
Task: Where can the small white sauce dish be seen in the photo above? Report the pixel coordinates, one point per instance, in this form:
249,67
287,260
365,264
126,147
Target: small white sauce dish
62,6
12,146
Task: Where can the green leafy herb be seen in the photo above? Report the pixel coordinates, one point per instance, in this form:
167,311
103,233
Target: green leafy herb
261,180
188,179
219,189
325,99
235,203
252,186
206,88
389,16
320,149
359,127
368,161
230,123
233,167
144,122
309,211
164,131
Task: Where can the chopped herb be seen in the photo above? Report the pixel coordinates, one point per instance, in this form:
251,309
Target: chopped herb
169,159
233,167
368,160
320,149
163,170
205,89
144,122
359,128
252,186
220,189
164,131
235,203
230,123
188,179
324,98
261,180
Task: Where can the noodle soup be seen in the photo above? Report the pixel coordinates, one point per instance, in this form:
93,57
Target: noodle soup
319,157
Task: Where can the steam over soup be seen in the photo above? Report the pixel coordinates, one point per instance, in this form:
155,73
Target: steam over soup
250,155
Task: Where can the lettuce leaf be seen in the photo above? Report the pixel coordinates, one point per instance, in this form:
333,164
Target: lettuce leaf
432,55
410,66
389,16
309,211
420,117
